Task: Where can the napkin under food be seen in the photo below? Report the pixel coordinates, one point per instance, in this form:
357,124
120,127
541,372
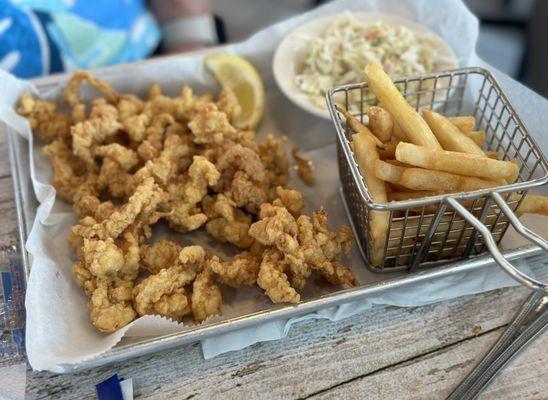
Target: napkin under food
58,327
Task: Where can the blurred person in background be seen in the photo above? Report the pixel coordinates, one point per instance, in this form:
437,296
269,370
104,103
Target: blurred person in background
41,37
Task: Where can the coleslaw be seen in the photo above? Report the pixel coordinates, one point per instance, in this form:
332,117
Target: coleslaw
347,45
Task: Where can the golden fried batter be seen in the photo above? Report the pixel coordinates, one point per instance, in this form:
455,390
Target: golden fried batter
290,199
72,98
86,135
206,296
163,293
242,270
227,223
210,125
110,305
44,118
125,163
142,205
185,215
276,227
305,243
228,103
273,279
161,254
274,157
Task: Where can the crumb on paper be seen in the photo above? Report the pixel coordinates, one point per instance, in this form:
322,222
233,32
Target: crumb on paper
304,167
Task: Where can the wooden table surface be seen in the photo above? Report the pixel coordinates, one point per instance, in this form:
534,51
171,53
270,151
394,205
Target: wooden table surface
382,353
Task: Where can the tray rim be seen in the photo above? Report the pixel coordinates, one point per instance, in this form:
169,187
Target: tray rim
199,332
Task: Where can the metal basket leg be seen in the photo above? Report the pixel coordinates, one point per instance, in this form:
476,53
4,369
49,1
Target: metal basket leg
491,244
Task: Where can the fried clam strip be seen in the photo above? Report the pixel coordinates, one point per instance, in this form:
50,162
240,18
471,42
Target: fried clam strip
86,197
290,199
305,243
102,123
322,247
276,227
110,305
161,254
164,293
154,136
229,104
274,158
117,163
163,168
106,259
134,122
182,108
242,270
273,280
106,273
206,295
226,222
44,118
243,177
71,93
68,170
185,195
211,126
141,207
304,167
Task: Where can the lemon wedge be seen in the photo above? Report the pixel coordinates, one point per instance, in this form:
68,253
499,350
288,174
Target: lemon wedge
242,78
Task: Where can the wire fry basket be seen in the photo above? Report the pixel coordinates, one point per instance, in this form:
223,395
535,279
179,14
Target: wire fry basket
436,230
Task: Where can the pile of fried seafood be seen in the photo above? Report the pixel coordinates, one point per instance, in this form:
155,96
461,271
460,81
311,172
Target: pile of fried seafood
125,164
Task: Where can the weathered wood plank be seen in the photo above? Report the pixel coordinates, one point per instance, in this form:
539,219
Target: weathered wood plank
4,158
316,356
8,218
433,376
8,225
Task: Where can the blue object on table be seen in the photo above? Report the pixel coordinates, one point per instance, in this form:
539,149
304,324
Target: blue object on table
110,389
39,37
12,311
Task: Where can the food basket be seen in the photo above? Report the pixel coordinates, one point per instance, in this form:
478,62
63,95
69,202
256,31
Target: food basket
427,232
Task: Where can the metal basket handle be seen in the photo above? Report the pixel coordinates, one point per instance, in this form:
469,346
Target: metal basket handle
491,244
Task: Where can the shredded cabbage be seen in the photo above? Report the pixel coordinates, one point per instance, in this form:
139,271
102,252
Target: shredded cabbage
347,45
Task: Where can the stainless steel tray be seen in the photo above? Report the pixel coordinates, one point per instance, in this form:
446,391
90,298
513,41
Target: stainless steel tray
128,348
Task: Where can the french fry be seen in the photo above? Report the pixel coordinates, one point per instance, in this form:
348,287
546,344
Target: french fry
394,187
493,154
380,123
449,136
388,172
390,150
416,130
366,155
425,179
513,178
398,132
358,127
455,162
419,194
533,204
477,136
465,123
398,163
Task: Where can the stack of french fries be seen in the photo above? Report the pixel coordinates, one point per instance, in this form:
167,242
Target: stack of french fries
403,155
